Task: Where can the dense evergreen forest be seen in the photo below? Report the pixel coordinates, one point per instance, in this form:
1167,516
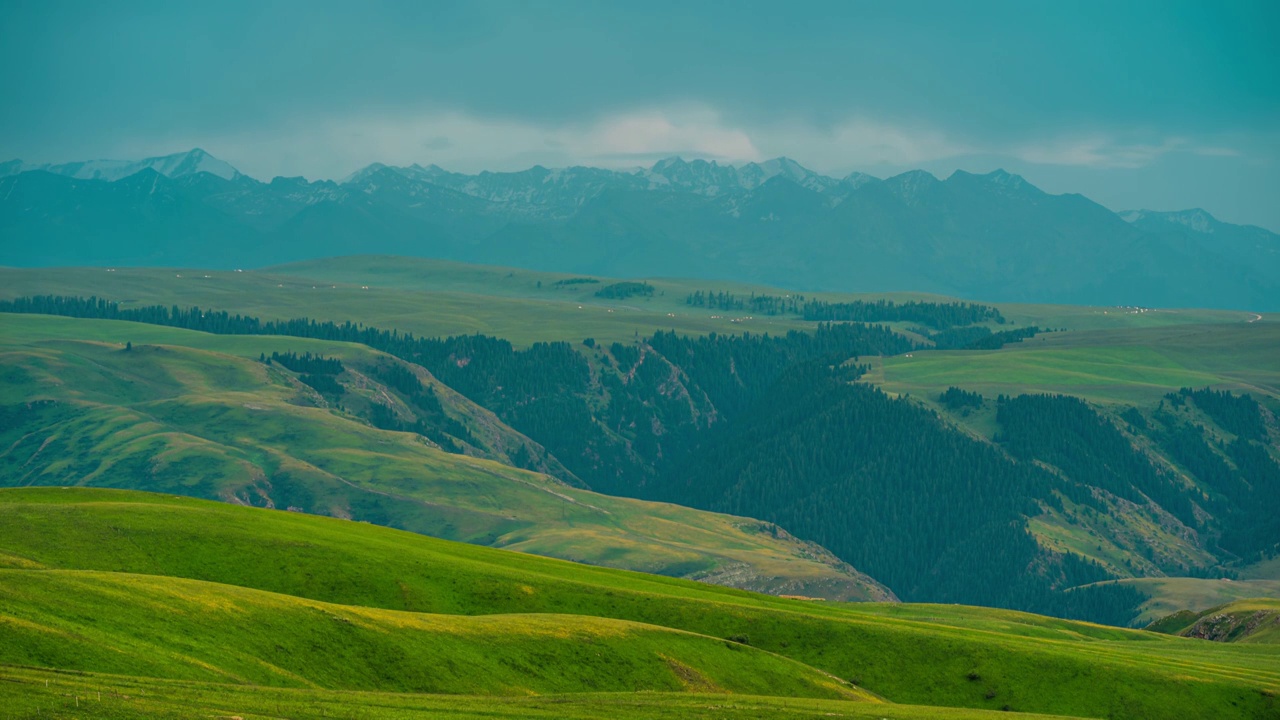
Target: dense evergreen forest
1237,414
940,316
772,427
624,290
307,363
977,337
755,304
1236,481
884,484
954,398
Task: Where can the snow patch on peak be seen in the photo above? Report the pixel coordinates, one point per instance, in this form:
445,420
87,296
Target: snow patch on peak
856,180
190,163
176,165
1195,218
12,167
1007,179
362,173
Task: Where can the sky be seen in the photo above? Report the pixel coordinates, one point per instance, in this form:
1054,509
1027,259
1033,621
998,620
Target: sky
1156,105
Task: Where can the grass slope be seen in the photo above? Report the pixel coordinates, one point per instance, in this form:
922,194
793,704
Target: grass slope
166,627
916,654
52,694
1194,595
1255,620
1110,366
176,419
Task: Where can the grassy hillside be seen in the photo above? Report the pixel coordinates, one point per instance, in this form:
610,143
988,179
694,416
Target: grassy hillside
166,627
172,418
918,654
1255,620
1195,595
53,694
1133,365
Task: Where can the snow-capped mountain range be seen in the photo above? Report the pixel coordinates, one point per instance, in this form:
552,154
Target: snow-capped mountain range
993,236
173,166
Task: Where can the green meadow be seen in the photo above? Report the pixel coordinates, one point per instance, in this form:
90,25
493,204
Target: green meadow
43,693
152,586
1137,365
434,297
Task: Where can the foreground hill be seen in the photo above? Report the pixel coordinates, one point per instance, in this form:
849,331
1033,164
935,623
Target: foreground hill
993,236
212,423
93,695
105,564
164,627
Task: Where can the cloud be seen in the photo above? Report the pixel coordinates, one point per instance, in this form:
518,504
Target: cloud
699,132
1105,152
332,147
336,146
861,142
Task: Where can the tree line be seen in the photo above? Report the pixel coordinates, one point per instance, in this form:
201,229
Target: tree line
624,290
940,316
979,337
756,304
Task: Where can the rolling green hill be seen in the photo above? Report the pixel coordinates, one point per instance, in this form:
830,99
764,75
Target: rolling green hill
164,627
1112,366
173,418
298,575
44,693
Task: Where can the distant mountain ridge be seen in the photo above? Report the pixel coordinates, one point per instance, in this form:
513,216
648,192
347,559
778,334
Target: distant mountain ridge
175,165
994,236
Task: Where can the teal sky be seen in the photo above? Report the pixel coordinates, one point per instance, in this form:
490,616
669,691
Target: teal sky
1160,105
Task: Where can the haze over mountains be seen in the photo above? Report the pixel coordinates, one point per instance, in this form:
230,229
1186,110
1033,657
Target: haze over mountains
992,237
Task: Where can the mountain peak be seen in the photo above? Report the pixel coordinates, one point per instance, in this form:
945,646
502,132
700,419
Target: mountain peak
911,184
1001,177
667,163
362,173
176,165
856,179
195,160
1195,219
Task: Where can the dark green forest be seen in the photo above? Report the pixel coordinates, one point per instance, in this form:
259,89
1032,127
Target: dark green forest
939,316
624,290
753,303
